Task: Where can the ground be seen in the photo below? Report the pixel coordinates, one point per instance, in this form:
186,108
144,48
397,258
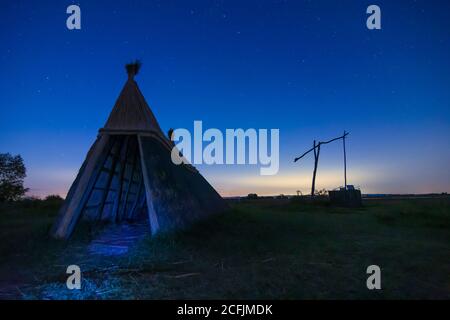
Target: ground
259,249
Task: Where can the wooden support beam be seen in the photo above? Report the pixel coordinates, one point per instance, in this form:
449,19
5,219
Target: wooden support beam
122,164
316,162
153,218
345,162
103,189
72,208
320,143
123,211
106,170
91,186
136,200
108,184
91,207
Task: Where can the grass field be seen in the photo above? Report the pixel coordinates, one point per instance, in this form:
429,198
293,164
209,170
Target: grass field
260,249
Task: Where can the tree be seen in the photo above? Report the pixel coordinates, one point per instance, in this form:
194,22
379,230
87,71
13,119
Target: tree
54,198
12,173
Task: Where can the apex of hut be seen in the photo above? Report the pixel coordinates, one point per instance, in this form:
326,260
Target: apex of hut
133,69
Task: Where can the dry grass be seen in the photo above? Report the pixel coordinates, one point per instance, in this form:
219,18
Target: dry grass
260,249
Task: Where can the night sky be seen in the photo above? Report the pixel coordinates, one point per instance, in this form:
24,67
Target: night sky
310,68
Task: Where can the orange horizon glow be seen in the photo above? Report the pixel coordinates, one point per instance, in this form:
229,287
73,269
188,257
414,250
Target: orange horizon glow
238,185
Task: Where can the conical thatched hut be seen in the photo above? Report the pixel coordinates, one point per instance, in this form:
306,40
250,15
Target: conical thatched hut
128,174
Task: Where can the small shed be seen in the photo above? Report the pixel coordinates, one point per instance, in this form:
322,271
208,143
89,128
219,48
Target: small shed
346,197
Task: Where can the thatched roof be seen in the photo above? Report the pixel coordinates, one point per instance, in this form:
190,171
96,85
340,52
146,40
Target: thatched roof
131,112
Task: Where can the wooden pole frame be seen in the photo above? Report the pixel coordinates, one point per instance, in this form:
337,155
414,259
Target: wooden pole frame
316,149
345,161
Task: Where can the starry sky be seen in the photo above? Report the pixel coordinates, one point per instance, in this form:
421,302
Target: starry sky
309,68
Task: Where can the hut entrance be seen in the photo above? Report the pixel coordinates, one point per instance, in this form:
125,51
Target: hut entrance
118,193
